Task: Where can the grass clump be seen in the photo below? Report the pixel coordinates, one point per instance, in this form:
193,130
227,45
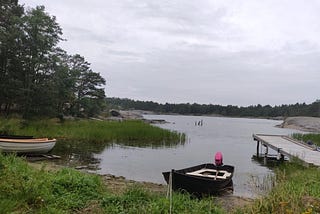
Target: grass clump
297,191
314,138
24,189
137,200
27,190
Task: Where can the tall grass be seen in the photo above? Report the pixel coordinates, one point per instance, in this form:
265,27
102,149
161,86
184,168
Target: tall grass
315,138
92,131
137,200
27,190
297,191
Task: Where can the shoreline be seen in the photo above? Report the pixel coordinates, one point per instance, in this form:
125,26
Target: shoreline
300,123
119,184
305,124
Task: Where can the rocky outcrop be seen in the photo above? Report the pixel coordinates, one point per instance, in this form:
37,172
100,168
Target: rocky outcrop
114,113
309,124
129,114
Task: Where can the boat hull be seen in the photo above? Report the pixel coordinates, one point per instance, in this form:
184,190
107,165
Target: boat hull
27,146
184,179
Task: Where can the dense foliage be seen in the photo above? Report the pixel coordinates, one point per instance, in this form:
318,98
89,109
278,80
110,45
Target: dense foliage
232,111
37,78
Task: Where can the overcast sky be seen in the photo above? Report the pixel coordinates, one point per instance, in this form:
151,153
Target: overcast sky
228,52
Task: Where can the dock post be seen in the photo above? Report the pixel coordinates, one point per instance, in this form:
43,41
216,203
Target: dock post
265,155
258,148
280,156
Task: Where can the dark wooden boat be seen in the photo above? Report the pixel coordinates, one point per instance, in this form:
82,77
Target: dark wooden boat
204,179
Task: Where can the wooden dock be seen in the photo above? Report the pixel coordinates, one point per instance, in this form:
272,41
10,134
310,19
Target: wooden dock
286,146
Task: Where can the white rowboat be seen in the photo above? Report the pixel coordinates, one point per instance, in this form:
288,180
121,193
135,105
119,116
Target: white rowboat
30,145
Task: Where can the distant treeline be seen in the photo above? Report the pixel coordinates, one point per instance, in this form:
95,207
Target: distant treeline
229,110
37,78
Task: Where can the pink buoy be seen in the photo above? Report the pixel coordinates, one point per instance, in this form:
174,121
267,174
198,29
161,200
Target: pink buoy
218,159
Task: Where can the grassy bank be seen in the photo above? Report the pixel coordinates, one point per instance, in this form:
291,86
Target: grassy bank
314,138
297,190
91,130
26,190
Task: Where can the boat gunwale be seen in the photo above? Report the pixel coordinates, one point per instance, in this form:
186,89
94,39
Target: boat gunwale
183,172
199,173
28,141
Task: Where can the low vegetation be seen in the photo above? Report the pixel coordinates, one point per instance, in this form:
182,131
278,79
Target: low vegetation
24,189
297,190
309,137
27,190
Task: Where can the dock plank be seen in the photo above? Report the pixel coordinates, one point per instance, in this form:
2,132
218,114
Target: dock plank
289,147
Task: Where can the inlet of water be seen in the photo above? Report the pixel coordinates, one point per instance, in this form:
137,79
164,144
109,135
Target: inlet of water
205,136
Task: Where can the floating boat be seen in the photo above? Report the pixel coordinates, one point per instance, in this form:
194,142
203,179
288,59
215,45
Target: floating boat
25,144
204,179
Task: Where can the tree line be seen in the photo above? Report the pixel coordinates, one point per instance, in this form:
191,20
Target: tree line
38,78
266,111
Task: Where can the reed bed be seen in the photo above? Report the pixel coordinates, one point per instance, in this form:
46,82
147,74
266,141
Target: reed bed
92,131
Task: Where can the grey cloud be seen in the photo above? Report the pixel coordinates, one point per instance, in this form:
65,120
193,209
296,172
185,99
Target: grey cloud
224,52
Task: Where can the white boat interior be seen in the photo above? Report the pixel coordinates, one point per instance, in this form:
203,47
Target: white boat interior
211,173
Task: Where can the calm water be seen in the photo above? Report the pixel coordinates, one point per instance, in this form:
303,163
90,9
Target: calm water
231,136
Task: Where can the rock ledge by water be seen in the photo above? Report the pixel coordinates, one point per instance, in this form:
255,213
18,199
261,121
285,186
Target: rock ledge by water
309,124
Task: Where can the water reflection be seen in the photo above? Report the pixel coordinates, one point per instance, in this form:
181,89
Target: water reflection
78,153
152,145
270,161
